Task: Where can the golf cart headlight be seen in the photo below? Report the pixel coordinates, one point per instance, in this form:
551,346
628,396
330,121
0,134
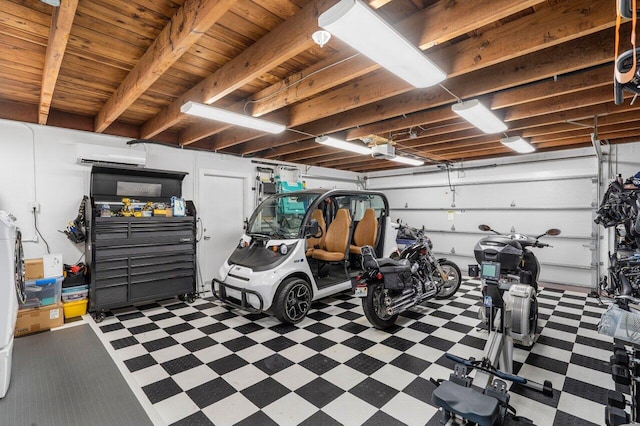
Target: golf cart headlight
282,249
242,243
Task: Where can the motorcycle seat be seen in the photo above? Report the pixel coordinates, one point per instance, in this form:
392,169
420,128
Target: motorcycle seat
466,402
385,261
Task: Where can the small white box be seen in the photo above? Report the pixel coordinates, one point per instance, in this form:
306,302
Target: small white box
52,265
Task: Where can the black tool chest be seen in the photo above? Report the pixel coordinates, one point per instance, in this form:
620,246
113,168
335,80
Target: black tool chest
138,259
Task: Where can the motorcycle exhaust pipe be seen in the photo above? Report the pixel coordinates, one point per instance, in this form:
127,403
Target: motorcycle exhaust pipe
406,294
399,307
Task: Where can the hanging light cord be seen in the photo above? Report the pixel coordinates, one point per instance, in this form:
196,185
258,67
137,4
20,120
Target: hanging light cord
450,92
264,98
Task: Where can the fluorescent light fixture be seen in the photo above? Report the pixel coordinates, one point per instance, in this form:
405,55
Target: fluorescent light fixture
407,160
347,146
356,24
518,144
218,114
54,3
479,115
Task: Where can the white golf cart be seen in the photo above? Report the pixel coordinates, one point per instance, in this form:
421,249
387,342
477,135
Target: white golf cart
302,246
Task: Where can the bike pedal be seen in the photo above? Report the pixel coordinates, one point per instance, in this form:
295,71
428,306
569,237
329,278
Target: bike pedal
616,399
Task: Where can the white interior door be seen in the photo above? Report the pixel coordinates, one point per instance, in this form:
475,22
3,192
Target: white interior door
223,208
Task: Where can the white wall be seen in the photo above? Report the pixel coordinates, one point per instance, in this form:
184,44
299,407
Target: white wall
529,194
38,164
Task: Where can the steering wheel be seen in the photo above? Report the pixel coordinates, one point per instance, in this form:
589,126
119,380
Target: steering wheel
319,234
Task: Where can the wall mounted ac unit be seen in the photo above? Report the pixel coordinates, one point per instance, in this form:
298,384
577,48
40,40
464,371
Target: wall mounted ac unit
91,154
384,151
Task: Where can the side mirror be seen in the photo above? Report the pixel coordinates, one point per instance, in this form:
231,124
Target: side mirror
245,223
312,229
553,232
484,227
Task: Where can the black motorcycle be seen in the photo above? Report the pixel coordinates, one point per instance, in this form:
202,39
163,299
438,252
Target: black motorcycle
390,286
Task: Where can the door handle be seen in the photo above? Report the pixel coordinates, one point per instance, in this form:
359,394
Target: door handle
207,238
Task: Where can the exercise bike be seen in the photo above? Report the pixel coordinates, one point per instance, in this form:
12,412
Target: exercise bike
484,400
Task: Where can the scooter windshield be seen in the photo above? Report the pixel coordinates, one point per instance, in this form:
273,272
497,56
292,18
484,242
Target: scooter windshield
280,216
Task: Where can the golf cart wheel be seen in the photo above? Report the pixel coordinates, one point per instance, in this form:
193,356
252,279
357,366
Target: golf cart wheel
454,278
375,310
293,300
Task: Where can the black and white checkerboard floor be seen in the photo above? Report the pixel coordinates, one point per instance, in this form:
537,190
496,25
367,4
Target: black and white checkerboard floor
205,364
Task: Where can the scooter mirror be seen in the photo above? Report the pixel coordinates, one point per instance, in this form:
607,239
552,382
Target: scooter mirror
553,232
484,227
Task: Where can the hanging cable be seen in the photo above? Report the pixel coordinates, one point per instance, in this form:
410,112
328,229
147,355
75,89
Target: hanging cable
303,133
35,224
264,98
450,92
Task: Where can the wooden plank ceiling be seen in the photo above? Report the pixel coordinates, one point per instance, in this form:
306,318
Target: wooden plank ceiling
126,67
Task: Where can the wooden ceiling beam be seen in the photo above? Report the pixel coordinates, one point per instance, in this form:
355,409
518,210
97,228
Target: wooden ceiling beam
427,28
61,21
544,89
589,51
186,27
467,17
360,65
577,19
568,133
286,41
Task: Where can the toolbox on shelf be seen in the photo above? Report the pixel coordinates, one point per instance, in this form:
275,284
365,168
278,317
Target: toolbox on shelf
138,258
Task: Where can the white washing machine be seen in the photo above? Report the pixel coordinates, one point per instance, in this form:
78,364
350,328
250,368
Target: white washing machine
11,286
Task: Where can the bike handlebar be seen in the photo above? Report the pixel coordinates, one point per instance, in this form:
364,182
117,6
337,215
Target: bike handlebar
627,298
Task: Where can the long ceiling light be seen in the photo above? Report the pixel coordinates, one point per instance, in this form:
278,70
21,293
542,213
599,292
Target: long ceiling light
407,160
479,115
518,144
218,114
357,25
347,146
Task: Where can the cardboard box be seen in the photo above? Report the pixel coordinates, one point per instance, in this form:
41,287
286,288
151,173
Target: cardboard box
33,269
39,319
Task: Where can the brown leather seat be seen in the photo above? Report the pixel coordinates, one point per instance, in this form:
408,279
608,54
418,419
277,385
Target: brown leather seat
314,243
366,232
336,239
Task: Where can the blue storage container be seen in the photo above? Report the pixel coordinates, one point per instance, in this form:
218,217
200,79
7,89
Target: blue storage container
42,292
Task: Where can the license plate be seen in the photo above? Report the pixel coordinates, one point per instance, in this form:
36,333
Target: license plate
361,291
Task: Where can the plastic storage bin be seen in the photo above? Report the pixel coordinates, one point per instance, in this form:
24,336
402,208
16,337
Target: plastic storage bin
42,292
75,308
70,294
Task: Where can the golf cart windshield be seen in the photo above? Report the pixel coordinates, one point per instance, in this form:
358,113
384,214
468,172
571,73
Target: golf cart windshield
280,216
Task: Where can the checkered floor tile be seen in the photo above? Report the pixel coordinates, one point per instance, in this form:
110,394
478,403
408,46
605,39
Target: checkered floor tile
204,363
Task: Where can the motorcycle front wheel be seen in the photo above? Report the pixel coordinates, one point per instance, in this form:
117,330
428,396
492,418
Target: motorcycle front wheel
454,278
374,309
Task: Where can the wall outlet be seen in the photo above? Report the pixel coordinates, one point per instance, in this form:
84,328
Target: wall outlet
34,206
